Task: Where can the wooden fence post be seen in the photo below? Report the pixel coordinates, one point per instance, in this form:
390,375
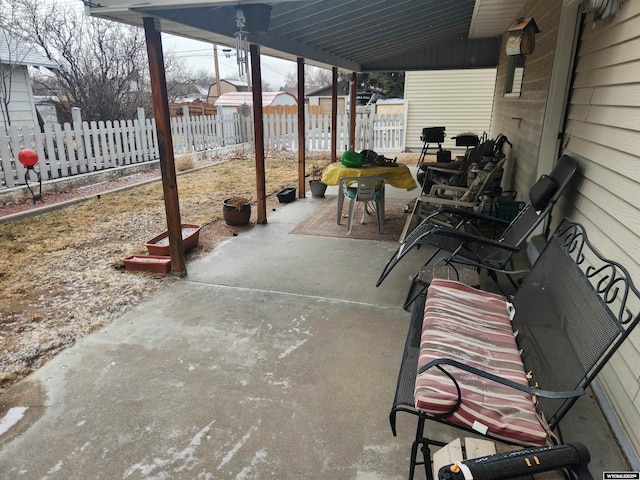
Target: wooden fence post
76,119
186,124
143,137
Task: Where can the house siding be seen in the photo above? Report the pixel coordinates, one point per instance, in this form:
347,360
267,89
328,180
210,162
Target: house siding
521,118
459,100
325,104
603,132
225,87
21,106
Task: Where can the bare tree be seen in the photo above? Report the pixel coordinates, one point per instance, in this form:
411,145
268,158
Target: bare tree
203,79
102,64
313,77
182,82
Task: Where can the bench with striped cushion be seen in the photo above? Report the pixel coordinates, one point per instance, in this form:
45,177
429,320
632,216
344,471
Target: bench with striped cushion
464,366
473,327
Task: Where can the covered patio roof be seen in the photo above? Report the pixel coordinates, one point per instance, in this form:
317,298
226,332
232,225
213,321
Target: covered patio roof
353,35
348,35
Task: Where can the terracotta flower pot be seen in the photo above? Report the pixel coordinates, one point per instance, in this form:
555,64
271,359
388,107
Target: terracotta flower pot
235,216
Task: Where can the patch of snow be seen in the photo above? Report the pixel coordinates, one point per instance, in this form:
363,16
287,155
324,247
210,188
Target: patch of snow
13,416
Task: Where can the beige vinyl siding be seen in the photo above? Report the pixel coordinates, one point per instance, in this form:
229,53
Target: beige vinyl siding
21,105
521,118
603,131
459,100
325,103
392,109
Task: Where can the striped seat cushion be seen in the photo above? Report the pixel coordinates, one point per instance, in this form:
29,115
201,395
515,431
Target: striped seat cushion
473,327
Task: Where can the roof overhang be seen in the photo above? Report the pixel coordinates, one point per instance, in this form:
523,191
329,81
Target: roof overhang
353,35
13,52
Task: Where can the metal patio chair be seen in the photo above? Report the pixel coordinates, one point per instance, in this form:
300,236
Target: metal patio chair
455,173
460,197
511,368
470,248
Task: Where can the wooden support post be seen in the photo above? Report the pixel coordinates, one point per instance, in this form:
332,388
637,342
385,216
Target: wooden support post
165,144
334,114
352,111
301,130
258,124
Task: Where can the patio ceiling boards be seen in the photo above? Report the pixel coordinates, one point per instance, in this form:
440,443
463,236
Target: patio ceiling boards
353,35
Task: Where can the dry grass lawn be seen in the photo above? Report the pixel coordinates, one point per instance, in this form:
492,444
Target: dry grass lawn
61,273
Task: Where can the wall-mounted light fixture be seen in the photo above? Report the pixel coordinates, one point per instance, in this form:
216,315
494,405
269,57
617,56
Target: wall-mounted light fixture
522,37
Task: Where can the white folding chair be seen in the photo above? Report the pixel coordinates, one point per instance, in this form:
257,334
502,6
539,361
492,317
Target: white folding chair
368,190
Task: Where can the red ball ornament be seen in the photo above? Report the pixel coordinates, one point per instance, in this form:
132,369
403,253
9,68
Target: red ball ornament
28,157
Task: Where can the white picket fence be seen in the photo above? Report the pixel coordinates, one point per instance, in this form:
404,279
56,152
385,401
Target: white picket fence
83,147
382,133
205,132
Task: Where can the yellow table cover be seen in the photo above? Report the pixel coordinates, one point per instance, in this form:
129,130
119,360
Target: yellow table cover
398,176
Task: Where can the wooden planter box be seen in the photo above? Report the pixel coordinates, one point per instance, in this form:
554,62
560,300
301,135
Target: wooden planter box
160,245
148,263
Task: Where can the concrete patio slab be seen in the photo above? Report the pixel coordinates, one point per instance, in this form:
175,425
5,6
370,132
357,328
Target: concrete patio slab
276,357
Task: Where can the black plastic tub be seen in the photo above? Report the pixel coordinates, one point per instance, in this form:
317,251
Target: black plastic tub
287,195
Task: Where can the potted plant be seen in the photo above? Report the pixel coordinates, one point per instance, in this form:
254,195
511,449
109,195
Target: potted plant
315,182
236,210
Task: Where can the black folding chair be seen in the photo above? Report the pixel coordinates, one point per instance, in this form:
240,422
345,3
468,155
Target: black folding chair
478,251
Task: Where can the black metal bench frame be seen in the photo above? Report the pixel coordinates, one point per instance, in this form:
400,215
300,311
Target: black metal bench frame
573,311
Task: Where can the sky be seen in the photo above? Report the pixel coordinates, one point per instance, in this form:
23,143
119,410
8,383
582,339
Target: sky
199,55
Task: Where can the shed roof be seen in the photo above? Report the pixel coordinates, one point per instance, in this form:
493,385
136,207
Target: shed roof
353,35
12,52
390,101
236,99
235,83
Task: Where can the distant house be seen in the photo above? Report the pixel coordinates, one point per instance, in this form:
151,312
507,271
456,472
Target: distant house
241,102
390,106
322,97
192,93
226,86
14,60
365,101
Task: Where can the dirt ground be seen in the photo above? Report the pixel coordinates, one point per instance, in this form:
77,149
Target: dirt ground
62,275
